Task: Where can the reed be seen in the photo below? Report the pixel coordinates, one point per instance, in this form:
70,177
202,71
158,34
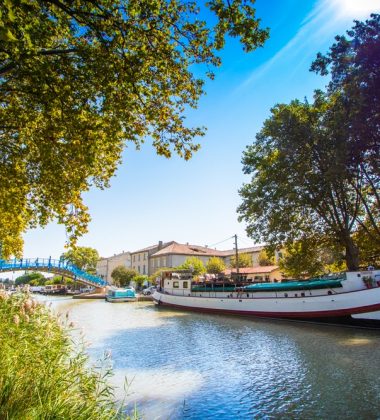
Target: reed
42,375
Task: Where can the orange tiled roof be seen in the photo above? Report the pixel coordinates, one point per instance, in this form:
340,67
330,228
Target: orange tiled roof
182,249
148,248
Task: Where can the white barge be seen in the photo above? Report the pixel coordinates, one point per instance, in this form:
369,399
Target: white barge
352,294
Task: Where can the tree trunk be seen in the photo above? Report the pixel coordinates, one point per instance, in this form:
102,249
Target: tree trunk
352,254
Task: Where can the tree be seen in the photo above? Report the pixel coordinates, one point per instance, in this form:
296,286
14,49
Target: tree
313,173
140,280
265,259
195,264
122,275
80,79
30,277
215,265
83,257
354,64
157,274
244,260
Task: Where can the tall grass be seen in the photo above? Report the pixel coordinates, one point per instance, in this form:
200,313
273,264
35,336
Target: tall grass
41,375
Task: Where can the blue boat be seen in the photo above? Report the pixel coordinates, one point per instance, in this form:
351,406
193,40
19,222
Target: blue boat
121,295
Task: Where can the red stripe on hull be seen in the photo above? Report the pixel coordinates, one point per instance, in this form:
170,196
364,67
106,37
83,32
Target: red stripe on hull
314,314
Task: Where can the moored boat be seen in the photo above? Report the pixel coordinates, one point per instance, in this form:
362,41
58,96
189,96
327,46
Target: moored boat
342,296
121,295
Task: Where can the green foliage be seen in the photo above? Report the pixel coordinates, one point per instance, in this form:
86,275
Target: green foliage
140,280
215,265
79,80
265,258
194,264
31,277
83,257
60,280
244,260
157,274
42,374
315,166
311,257
122,275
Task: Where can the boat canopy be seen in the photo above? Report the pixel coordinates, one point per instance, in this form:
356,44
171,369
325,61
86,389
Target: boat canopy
120,293
295,285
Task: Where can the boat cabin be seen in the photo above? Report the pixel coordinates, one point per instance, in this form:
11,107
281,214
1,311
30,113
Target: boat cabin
177,283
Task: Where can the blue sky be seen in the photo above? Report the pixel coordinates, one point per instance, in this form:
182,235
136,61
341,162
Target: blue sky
152,198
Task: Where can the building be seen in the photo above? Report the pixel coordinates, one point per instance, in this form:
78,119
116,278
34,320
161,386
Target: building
170,254
176,254
105,266
141,259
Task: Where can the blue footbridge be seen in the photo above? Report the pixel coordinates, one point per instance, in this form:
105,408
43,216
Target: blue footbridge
61,267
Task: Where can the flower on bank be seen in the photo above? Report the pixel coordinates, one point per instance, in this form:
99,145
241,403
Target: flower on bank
16,320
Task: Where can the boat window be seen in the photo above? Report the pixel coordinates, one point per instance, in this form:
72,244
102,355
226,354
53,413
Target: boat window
303,294
176,284
185,284
285,295
295,295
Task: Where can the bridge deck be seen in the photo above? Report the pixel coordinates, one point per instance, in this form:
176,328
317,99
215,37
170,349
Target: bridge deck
54,266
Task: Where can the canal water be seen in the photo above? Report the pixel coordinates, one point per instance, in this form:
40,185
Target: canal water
182,365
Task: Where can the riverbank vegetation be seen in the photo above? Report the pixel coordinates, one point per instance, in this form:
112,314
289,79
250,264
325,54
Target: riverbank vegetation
315,188
42,375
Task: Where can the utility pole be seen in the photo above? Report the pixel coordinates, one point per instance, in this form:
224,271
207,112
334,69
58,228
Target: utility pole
236,256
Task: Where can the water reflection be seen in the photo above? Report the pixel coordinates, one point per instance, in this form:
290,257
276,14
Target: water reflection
195,366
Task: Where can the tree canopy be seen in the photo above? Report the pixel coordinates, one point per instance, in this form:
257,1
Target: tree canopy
195,264
244,260
83,257
122,275
78,80
266,259
215,265
314,167
28,278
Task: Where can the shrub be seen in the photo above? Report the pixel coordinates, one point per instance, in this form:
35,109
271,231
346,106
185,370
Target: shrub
41,377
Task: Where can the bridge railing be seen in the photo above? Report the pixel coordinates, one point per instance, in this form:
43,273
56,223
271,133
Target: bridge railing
53,265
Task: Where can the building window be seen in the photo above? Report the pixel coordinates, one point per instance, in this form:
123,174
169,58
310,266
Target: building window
138,268
185,284
144,269
139,257
134,258
144,256
175,284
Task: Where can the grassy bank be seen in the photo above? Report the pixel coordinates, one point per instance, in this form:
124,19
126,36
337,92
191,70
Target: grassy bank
41,375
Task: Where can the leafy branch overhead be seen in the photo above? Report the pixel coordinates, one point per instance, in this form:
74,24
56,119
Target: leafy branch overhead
80,79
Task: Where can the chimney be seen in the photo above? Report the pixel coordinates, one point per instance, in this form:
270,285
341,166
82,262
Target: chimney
159,244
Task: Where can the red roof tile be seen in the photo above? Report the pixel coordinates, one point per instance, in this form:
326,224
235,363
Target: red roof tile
182,249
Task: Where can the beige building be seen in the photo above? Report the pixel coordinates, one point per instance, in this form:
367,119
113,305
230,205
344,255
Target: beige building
141,260
176,254
169,254
105,266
